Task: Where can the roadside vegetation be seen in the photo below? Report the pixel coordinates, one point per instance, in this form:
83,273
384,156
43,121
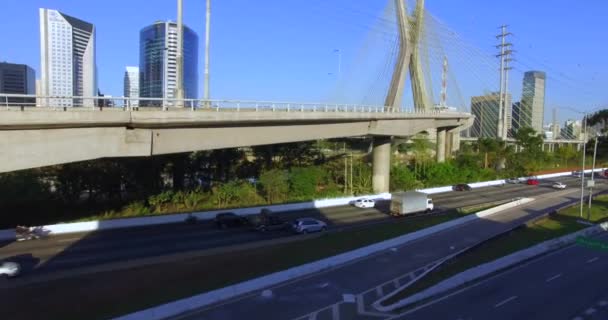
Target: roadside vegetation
553,226
224,179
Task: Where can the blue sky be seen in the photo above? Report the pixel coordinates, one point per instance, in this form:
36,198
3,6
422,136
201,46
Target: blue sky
282,50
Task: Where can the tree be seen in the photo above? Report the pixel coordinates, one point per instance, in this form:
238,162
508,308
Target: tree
362,177
487,146
305,182
226,193
286,155
275,184
565,154
420,148
402,178
529,140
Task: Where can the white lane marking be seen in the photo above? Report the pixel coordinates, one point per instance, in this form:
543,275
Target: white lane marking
602,303
335,312
360,302
553,278
477,284
592,260
502,303
68,240
349,298
267,294
590,311
379,292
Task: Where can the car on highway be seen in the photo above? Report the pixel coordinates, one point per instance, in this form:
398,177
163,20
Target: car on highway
306,225
462,187
513,181
9,269
532,182
364,203
229,219
559,185
268,221
577,173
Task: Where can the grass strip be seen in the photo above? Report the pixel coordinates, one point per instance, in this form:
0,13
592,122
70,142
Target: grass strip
110,294
554,226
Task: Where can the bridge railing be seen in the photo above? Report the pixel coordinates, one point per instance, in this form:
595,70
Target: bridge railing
76,103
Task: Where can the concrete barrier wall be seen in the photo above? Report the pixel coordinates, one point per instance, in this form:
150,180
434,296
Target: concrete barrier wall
492,267
201,300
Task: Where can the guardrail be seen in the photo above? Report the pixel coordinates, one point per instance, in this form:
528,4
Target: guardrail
73,103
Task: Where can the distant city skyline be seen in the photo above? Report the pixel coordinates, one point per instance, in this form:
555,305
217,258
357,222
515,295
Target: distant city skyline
131,85
17,79
260,64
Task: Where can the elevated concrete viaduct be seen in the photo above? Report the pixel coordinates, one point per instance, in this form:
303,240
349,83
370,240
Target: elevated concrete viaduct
38,137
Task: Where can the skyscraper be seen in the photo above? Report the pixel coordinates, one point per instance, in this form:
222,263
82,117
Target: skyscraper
515,116
532,111
158,62
67,59
131,83
17,79
486,109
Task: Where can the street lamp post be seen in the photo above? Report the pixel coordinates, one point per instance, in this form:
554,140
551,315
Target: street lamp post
583,171
206,71
339,52
592,178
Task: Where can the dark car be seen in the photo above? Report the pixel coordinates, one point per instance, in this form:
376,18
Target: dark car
229,219
462,187
268,221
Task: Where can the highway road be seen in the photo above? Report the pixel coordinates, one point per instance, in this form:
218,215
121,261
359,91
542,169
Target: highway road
568,284
96,248
347,292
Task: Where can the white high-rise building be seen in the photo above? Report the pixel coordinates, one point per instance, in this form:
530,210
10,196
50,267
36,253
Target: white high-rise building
131,82
67,59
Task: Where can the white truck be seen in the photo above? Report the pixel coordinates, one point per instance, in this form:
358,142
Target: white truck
410,202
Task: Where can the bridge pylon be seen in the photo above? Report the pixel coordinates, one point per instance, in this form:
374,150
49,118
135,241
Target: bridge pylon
410,28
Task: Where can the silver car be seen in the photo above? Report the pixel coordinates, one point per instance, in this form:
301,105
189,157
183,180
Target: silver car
306,225
9,269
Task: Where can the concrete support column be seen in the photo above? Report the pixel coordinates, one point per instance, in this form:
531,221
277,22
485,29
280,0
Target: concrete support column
441,135
449,139
455,142
381,164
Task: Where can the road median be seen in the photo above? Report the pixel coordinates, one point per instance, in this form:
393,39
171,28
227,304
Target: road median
526,242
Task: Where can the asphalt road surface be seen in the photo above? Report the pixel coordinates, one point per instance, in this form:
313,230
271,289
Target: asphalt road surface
568,284
71,251
347,292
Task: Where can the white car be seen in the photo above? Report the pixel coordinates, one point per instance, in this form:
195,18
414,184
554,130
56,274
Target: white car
559,185
9,269
513,181
364,203
306,225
